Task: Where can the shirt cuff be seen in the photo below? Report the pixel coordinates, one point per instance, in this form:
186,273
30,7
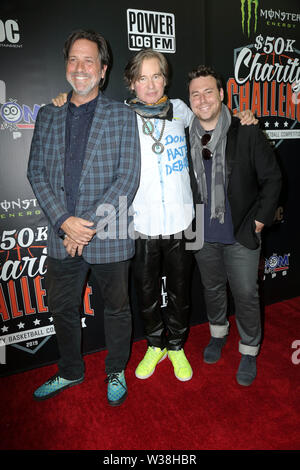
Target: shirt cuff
58,224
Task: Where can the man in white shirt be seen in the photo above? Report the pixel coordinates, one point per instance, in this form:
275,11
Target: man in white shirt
163,210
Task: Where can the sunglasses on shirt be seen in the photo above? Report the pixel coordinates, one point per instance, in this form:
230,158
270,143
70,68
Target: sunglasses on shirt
206,153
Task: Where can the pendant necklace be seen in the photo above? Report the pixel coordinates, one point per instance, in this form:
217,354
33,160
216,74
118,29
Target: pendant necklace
148,129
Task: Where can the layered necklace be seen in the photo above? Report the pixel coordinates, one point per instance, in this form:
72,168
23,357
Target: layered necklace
148,129
161,110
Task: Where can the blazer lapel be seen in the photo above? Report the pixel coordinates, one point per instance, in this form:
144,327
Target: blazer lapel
100,121
231,148
60,137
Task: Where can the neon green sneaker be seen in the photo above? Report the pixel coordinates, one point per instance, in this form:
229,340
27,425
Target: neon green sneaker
182,368
147,365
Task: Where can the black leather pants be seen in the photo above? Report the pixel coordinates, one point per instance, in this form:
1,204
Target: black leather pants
154,257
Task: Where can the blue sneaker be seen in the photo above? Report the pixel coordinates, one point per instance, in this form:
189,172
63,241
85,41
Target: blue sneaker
116,388
54,386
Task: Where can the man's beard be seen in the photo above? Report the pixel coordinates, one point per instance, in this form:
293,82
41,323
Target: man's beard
82,92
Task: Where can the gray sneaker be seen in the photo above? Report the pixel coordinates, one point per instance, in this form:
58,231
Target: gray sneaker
247,370
213,350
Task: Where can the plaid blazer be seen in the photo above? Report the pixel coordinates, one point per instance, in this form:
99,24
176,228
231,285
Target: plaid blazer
109,178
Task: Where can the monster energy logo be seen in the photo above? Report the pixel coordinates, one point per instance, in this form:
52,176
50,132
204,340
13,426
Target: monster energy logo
249,4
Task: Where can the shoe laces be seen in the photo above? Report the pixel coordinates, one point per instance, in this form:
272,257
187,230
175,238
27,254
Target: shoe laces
113,379
53,379
150,355
180,358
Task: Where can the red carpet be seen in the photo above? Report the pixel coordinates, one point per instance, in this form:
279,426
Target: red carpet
209,412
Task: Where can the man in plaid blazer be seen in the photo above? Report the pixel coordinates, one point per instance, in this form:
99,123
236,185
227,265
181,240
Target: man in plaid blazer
84,170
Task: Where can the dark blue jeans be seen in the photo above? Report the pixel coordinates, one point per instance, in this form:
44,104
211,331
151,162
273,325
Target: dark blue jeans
219,263
65,280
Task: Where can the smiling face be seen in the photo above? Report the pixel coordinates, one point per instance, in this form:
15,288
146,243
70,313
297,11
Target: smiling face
206,100
84,69
150,84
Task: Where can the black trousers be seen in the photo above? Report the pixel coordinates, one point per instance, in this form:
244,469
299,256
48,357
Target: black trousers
164,327
64,282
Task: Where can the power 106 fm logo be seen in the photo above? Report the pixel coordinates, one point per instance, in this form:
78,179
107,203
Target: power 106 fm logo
25,321
152,29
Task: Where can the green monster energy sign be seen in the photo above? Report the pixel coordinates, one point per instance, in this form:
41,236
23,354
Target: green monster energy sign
249,5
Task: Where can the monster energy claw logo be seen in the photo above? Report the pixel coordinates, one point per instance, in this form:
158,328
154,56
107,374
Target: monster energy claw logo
249,4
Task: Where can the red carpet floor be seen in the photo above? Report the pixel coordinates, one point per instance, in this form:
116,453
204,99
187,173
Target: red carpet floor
210,412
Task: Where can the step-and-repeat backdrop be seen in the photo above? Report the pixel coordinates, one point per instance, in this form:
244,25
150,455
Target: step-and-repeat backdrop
254,44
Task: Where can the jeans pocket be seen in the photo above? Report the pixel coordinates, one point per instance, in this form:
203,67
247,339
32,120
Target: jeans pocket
258,236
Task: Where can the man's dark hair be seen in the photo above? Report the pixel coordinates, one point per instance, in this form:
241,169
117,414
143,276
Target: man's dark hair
204,71
104,55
